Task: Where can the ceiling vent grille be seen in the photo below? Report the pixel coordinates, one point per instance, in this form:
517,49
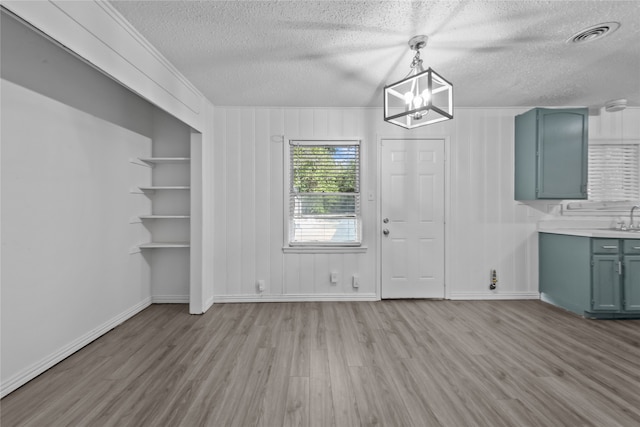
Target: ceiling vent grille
594,33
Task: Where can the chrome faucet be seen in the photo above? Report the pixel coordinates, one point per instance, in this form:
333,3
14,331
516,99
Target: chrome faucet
631,226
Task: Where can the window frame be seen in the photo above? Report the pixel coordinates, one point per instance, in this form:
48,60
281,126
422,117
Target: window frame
310,246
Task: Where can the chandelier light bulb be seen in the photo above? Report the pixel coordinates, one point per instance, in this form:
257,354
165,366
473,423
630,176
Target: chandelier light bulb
417,102
426,95
408,98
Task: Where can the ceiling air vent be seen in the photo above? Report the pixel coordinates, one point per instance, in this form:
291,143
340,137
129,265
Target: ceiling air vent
593,33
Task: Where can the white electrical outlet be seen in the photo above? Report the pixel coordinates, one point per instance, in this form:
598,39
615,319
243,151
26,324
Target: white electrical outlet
261,285
355,281
333,278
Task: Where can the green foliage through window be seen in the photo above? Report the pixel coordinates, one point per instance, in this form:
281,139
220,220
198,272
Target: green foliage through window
321,177
324,193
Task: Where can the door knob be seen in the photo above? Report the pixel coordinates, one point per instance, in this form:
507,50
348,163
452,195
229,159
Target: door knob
385,231
386,220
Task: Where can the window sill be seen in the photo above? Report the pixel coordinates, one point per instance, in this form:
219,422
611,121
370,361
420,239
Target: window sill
593,208
324,249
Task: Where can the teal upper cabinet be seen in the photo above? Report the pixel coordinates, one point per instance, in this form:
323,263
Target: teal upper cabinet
551,154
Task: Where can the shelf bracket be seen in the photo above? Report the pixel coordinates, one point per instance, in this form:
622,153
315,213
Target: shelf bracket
139,162
136,190
134,250
135,220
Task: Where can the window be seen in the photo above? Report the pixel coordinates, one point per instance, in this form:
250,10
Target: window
324,193
614,172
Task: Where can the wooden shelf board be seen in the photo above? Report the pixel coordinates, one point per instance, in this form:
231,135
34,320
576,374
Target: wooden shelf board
165,187
156,245
165,159
164,216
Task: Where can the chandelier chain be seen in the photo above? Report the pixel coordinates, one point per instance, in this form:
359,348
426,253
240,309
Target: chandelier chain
416,60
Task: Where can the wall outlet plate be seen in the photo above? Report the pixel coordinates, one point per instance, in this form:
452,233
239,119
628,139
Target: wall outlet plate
355,281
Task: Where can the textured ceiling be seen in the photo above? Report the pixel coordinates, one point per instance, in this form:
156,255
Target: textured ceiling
342,53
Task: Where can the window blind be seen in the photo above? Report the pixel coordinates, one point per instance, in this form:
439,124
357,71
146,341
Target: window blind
324,193
614,172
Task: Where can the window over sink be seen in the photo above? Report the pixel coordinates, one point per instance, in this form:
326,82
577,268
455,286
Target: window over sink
614,171
614,179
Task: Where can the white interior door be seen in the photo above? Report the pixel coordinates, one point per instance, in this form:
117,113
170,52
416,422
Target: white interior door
412,203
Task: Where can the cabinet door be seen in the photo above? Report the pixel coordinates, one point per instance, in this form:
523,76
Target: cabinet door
606,283
631,282
562,154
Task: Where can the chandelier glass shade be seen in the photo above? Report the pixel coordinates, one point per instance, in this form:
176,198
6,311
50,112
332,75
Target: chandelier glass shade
422,98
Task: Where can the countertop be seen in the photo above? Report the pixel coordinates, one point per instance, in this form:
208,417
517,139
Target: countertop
592,232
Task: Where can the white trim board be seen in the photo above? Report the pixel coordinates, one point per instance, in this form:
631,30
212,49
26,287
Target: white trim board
493,295
366,297
38,368
170,299
295,298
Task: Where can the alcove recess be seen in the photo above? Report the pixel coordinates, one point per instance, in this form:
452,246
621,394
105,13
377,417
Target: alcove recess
168,219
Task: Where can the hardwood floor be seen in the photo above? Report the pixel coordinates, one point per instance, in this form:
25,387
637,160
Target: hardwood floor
392,363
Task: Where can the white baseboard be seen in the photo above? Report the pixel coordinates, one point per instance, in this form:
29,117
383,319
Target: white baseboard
367,297
170,299
37,368
493,295
294,298
208,304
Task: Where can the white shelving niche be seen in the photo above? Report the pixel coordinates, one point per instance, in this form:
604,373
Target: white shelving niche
168,221
166,206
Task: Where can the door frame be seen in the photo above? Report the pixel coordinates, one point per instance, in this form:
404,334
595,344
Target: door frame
446,140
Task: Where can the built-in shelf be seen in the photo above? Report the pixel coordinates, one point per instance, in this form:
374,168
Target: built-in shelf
156,160
164,216
165,187
151,162
156,245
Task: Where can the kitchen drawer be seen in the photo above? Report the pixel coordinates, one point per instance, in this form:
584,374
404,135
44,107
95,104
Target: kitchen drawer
605,246
632,246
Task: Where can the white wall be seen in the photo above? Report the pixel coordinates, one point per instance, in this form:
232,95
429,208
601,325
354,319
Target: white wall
486,228
67,275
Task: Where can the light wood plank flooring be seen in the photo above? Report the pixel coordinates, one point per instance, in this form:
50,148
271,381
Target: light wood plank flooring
391,363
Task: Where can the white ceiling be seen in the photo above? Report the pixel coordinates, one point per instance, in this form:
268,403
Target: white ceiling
342,53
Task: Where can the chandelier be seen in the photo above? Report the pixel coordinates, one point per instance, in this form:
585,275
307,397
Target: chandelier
423,97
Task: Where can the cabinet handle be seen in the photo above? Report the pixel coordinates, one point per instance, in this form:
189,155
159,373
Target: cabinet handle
609,247
619,268
635,247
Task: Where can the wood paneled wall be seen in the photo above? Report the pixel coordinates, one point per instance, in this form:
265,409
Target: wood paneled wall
485,228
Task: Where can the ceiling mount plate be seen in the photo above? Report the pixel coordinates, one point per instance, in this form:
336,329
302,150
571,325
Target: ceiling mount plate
615,105
418,42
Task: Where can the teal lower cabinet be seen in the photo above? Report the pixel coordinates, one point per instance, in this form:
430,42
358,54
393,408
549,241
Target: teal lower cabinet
605,283
631,266
593,277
